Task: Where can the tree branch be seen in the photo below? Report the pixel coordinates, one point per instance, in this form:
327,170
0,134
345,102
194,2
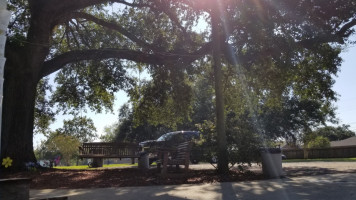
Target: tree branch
97,54
338,37
165,8
60,7
159,7
112,26
346,28
136,56
199,5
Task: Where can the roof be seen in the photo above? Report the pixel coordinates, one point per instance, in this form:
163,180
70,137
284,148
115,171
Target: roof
346,142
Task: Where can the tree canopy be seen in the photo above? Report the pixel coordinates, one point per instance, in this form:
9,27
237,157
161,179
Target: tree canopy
93,43
335,133
59,145
318,142
82,128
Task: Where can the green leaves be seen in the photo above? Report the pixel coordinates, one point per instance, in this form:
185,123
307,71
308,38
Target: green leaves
335,133
165,100
91,84
65,145
313,75
44,115
81,128
318,142
140,26
279,58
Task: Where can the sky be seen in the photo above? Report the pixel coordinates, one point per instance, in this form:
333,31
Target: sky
345,86
101,120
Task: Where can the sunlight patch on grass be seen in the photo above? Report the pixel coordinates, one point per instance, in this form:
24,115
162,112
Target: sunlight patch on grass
120,165
321,160
81,167
72,167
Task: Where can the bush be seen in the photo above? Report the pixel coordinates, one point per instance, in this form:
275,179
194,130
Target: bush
319,142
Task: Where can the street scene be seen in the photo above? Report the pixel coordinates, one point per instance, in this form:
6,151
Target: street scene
177,99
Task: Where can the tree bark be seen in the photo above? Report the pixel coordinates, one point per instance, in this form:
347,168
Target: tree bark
18,117
22,73
223,161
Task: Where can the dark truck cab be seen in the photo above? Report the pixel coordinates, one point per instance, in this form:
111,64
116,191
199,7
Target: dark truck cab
170,139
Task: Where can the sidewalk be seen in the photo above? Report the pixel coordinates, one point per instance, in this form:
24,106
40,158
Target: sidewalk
329,186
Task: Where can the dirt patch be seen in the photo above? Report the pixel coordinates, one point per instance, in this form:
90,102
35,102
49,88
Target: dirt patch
101,178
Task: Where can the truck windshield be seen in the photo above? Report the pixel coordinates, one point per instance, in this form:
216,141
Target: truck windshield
165,137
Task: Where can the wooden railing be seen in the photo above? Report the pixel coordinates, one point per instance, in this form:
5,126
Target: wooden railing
109,150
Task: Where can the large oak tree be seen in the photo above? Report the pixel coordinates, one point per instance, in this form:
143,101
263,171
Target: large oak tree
48,35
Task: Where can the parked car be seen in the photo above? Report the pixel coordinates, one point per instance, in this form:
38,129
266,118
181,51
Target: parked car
170,139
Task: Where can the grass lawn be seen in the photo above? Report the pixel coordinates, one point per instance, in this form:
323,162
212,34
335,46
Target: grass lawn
321,160
87,167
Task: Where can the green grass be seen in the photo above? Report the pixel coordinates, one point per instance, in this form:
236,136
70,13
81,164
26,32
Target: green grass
120,165
72,167
80,167
321,160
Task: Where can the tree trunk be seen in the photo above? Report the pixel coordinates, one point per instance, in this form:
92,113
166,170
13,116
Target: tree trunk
223,162
18,117
22,73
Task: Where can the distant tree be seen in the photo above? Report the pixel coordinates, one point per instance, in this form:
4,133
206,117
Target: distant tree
65,145
42,151
242,138
79,127
318,142
293,118
335,133
165,100
128,130
109,133
203,104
